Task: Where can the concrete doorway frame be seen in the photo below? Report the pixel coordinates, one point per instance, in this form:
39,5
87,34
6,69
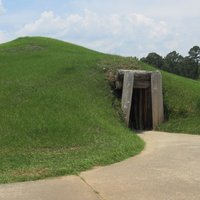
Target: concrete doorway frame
127,80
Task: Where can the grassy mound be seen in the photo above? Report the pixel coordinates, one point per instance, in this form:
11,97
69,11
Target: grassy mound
56,112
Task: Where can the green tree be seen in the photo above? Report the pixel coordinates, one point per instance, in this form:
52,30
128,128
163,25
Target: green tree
154,59
173,61
189,68
194,56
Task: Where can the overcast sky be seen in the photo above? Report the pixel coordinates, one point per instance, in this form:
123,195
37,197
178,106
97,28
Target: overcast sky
125,27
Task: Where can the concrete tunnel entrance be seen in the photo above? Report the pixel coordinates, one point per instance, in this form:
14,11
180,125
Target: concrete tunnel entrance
142,98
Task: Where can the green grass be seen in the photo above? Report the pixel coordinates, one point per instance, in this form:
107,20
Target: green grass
56,112
182,102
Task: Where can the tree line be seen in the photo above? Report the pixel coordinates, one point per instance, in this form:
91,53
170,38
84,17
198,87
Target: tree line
173,62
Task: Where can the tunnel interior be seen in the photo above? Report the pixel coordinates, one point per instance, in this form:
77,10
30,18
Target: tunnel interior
141,109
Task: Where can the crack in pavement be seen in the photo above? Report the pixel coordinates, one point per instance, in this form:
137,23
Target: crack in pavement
93,189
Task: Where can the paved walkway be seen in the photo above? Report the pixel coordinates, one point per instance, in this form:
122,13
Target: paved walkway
168,169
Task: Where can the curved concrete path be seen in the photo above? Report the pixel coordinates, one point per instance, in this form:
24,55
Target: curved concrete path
168,169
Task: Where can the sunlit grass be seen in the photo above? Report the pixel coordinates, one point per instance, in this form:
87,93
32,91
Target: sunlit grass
56,113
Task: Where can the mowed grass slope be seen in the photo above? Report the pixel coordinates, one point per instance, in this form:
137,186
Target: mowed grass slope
56,113
182,104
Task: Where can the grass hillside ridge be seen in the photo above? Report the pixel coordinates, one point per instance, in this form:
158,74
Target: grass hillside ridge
56,113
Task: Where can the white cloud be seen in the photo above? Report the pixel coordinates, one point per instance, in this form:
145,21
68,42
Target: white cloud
3,37
2,9
113,33
48,23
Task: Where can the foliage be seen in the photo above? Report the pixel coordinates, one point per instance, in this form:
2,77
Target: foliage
194,54
154,59
175,63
